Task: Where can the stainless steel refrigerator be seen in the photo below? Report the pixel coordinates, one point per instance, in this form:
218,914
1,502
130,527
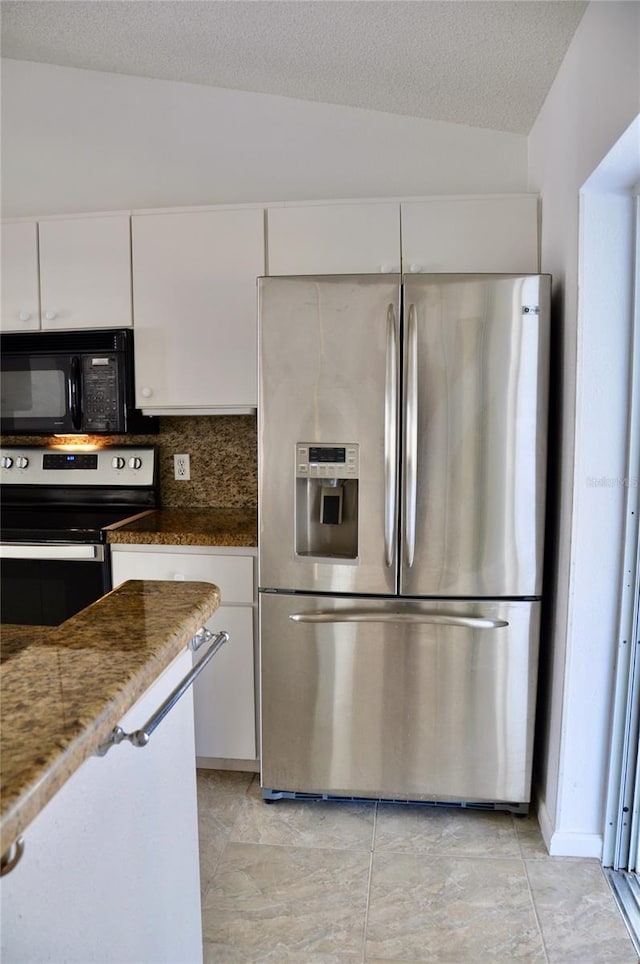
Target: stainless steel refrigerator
402,466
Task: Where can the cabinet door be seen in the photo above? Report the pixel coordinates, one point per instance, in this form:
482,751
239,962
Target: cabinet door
485,234
334,239
195,312
20,293
85,272
224,694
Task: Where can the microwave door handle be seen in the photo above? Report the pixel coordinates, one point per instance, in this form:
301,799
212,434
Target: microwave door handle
74,393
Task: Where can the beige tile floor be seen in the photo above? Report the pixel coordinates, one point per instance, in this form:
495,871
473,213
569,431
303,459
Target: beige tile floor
339,883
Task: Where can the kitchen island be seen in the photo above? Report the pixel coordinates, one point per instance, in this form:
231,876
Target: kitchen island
111,850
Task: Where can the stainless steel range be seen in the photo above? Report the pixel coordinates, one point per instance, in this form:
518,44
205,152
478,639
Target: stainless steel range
58,505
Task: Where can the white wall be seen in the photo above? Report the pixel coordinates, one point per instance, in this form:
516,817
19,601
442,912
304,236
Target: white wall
594,99
77,140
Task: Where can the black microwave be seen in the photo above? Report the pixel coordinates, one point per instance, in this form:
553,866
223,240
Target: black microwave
69,383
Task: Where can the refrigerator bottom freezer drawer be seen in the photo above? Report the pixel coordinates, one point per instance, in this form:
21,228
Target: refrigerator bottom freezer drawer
398,699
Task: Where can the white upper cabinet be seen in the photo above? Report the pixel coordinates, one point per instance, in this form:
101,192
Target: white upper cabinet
85,272
195,308
496,233
20,285
361,238
471,234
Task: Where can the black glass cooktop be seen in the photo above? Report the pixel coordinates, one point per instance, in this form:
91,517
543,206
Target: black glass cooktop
60,525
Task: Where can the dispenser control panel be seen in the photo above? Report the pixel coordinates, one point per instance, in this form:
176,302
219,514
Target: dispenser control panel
335,461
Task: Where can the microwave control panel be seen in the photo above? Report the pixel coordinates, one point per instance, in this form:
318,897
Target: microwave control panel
100,376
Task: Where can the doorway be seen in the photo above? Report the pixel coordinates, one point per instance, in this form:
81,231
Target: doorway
621,836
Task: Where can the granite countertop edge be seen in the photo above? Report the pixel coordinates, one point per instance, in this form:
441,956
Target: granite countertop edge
190,527
33,774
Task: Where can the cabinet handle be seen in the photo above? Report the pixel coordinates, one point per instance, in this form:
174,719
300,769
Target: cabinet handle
415,268
142,736
146,392
51,315
24,316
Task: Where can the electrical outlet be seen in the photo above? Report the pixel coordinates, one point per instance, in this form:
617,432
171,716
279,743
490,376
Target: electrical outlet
181,468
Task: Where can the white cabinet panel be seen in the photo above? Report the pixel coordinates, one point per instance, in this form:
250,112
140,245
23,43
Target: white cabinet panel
334,239
487,234
224,694
20,286
110,871
195,312
85,272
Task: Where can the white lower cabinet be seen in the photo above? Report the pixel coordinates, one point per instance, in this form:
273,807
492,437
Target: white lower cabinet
110,871
224,693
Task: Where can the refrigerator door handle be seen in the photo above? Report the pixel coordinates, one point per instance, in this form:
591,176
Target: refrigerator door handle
390,439
411,437
375,616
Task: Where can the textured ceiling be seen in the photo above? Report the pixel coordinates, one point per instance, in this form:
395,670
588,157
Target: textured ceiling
486,64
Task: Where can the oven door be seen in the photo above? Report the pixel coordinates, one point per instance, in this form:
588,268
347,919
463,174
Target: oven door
40,393
42,585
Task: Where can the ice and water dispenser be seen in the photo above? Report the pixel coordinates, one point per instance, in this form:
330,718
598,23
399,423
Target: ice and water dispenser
327,500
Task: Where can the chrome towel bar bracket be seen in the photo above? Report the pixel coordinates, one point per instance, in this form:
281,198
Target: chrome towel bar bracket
142,736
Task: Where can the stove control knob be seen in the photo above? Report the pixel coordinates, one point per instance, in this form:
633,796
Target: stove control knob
6,462
117,462
135,463
22,461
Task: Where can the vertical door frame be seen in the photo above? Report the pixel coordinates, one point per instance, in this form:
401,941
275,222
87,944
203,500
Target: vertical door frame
622,821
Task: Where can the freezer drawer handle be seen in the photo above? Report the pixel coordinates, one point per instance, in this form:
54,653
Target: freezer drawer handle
390,439
374,616
411,438
142,736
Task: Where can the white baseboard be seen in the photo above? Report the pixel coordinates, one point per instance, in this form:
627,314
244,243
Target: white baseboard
566,844
216,763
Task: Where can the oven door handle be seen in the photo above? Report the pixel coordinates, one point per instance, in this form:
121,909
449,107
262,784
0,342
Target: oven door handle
66,553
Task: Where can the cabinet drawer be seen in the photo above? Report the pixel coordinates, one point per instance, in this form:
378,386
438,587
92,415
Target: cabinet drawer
233,575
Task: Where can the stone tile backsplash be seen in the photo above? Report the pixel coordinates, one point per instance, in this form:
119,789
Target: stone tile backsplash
223,451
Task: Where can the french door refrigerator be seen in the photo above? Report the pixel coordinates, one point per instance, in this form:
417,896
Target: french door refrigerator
402,465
